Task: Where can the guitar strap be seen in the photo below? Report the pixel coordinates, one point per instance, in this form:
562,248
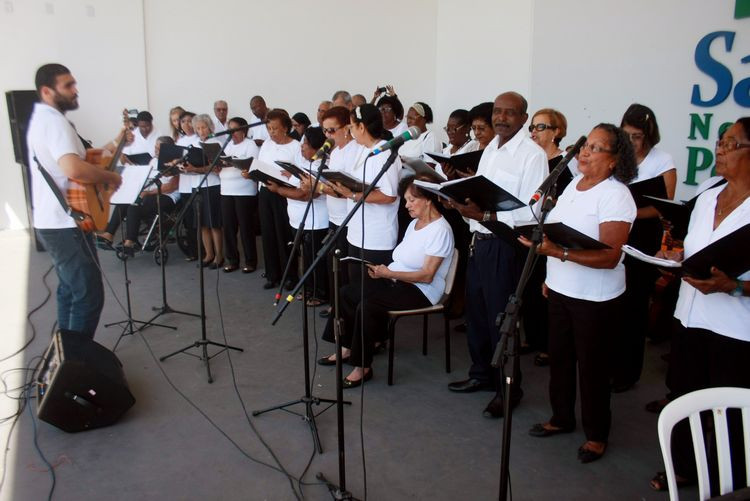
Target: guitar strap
77,216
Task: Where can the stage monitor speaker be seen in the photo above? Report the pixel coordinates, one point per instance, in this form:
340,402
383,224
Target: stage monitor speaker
80,384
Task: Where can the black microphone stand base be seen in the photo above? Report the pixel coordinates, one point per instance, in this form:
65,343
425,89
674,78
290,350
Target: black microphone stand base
335,490
203,344
309,415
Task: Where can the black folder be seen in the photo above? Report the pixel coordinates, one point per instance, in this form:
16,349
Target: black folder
422,170
559,233
262,177
483,192
654,187
196,157
465,162
292,169
139,158
168,153
210,150
729,254
676,212
241,163
351,182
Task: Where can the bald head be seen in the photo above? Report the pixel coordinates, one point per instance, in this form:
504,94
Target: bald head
509,115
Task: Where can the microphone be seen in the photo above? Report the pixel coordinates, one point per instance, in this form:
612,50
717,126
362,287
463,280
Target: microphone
396,142
552,177
235,129
323,150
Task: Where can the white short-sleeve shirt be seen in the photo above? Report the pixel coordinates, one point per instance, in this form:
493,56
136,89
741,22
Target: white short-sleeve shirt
381,221
718,312
188,181
341,159
144,144
656,163
435,239
272,151
416,148
317,216
608,201
399,129
232,182
519,166
49,137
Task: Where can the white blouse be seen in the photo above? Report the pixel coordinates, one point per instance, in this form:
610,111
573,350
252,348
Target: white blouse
317,216
718,312
341,159
232,182
656,163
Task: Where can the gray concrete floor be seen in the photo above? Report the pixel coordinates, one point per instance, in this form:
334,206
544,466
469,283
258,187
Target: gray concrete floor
421,441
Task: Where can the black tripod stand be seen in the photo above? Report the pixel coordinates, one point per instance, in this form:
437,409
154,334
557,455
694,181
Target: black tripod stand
129,323
308,399
164,308
203,343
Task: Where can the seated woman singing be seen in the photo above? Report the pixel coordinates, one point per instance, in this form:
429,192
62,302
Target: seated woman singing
415,279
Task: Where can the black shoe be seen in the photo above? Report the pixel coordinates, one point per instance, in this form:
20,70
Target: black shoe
347,383
469,386
541,360
460,327
325,361
270,285
495,409
538,430
248,269
230,268
325,313
587,456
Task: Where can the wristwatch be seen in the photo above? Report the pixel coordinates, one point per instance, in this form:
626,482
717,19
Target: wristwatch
738,291
487,215
565,254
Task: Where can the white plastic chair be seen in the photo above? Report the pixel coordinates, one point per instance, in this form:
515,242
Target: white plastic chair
690,406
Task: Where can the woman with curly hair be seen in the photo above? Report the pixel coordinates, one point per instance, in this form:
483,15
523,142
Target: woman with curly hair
585,287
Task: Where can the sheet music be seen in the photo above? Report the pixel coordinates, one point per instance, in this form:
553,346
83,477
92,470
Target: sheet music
133,179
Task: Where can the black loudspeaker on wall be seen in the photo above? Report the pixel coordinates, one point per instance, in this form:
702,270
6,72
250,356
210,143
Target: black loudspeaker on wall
80,384
20,105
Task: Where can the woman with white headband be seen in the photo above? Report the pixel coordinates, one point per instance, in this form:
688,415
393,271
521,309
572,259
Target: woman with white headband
419,115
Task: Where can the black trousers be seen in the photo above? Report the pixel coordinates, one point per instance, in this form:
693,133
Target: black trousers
147,209
381,296
703,359
534,309
276,234
492,275
237,213
343,246
373,256
118,215
580,335
317,283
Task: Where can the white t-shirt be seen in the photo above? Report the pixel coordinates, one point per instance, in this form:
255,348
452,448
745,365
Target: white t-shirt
610,200
381,221
50,136
435,239
188,181
416,148
232,182
317,216
656,163
272,151
519,167
144,144
218,126
154,165
718,312
341,159
399,129
260,132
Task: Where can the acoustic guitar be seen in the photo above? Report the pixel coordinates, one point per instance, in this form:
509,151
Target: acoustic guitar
92,200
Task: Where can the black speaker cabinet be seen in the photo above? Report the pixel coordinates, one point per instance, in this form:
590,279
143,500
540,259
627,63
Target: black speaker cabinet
80,384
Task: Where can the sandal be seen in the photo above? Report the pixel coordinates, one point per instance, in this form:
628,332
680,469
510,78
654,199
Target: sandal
314,302
661,484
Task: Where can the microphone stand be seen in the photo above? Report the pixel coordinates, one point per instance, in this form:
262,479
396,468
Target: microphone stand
203,342
506,355
161,251
308,399
338,492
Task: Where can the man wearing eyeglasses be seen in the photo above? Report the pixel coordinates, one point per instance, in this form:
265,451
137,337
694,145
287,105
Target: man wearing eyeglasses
514,162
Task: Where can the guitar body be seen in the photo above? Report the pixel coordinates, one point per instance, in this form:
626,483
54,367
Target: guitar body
92,200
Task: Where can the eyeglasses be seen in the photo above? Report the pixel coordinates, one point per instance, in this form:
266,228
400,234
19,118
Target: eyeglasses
636,136
730,144
595,148
453,129
540,127
385,109
331,130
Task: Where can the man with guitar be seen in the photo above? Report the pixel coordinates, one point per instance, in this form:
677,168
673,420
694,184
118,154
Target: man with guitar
57,155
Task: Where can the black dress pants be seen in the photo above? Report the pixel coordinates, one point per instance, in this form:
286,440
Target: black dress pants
276,234
147,209
118,215
580,337
237,213
355,269
703,359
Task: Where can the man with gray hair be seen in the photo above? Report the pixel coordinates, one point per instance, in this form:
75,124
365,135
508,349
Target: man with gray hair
342,98
221,110
322,108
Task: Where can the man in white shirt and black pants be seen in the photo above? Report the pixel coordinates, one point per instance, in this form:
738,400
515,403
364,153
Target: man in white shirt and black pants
518,165
54,143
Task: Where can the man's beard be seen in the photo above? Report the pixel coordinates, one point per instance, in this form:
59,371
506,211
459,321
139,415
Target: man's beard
65,104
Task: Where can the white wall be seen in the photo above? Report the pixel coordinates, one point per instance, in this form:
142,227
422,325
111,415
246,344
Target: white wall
100,41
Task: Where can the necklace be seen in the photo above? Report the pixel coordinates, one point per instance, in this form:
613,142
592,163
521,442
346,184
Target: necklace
721,210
